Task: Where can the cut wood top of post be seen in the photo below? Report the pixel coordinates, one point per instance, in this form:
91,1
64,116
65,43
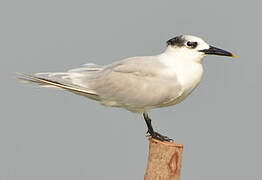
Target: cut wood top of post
166,143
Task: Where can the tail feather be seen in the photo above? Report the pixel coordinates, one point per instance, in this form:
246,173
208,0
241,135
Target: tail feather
47,82
75,77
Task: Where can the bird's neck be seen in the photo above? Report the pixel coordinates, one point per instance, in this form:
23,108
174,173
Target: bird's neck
188,71
181,54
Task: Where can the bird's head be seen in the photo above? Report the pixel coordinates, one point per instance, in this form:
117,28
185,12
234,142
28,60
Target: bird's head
193,48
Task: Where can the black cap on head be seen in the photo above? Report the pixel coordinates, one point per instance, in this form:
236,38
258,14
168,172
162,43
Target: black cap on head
176,41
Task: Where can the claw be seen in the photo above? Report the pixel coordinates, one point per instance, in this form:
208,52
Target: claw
151,131
161,137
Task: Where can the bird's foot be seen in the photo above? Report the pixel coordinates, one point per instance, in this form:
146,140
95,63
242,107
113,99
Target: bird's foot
160,137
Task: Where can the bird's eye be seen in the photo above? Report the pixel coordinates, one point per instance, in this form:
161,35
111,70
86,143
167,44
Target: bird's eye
191,44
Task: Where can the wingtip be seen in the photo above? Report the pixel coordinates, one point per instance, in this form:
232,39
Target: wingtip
23,77
18,75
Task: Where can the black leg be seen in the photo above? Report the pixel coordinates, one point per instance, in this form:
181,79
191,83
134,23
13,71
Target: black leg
151,131
148,123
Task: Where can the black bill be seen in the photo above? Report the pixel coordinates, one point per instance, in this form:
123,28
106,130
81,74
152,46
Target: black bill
216,51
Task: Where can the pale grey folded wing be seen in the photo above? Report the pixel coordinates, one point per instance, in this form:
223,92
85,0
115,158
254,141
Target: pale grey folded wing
136,83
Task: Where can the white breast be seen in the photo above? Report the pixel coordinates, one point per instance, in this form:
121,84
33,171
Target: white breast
188,73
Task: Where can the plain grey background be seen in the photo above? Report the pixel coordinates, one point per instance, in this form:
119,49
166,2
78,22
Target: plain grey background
56,135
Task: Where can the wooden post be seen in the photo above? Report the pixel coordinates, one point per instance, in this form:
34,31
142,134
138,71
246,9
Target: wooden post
164,160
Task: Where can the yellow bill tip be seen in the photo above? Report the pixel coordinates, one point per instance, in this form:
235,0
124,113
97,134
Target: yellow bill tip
234,56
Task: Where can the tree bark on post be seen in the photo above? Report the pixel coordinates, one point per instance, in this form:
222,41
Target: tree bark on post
164,160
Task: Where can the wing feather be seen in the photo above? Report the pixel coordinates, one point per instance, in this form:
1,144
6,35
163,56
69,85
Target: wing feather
48,82
136,83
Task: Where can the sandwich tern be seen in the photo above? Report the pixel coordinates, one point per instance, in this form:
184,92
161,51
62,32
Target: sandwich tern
138,84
